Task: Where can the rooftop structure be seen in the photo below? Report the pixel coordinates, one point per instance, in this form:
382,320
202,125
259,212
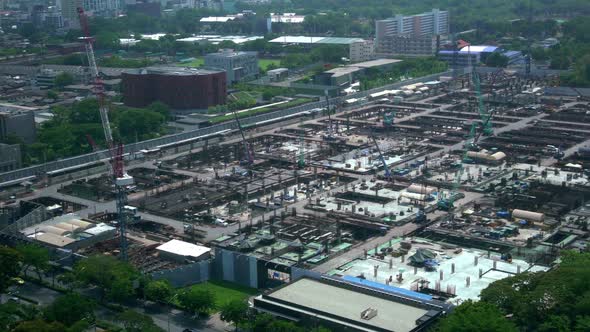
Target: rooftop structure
69,231
314,40
286,18
180,250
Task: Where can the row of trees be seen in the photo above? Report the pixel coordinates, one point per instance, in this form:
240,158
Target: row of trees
66,134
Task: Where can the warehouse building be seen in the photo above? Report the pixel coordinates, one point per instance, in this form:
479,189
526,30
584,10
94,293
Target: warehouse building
343,305
346,75
179,88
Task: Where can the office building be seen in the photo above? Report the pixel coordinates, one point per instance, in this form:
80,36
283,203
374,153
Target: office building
179,88
362,50
237,65
11,157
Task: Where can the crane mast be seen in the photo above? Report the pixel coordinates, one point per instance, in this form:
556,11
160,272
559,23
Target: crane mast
116,165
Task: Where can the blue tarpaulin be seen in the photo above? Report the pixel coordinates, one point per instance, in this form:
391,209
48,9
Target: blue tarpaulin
388,289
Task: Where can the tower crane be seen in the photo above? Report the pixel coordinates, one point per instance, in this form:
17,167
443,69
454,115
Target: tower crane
385,167
249,156
116,165
487,128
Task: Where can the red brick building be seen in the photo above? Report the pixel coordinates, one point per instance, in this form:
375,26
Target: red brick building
179,88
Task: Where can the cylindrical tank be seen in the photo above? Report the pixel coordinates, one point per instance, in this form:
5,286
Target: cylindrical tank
528,215
416,188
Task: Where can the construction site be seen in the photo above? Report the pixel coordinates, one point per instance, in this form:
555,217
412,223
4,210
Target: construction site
439,188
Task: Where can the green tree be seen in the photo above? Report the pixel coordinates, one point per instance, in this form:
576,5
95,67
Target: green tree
158,290
497,60
133,321
51,94
107,40
10,261
160,108
62,79
235,312
12,313
197,300
476,316
114,277
70,308
39,325
555,324
34,256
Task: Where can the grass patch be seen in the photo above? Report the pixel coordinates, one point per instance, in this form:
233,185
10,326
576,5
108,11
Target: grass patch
226,291
264,63
197,62
289,104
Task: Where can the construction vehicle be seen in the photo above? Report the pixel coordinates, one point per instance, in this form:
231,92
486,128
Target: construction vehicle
116,166
384,164
388,118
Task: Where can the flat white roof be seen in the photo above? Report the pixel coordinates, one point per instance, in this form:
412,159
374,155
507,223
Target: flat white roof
182,248
342,302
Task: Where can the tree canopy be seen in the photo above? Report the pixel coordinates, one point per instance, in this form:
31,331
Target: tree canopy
556,300
114,277
10,261
69,309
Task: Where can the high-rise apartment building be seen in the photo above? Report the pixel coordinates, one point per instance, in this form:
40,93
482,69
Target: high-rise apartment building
421,27
105,8
69,12
435,22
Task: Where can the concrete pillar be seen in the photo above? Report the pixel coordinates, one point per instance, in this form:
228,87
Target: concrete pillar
403,258
441,274
390,263
480,273
475,260
467,281
375,269
517,269
495,264
453,268
365,253
415,270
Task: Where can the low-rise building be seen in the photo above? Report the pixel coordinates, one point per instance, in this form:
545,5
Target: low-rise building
346,75
11,157
238,65
342,305
17,121
408,45
362,50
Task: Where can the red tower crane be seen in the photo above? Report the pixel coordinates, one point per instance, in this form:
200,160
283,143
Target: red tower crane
116,165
